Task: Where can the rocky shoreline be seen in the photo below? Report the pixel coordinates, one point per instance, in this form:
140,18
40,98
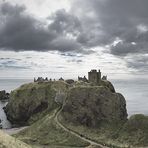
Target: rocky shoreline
4,96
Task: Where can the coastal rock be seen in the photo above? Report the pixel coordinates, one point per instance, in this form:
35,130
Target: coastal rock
4,95
1,126
31,100
91,105
70,81
108,84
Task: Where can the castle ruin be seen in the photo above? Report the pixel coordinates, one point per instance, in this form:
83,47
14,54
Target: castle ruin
94,76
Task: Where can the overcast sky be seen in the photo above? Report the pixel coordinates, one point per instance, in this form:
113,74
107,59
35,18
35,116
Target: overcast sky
67,38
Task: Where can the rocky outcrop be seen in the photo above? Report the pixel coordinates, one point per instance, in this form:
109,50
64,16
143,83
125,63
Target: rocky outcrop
108,84
4,95
31,100
1,126
93,104
70,81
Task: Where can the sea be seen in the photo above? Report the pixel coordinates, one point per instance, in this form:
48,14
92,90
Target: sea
135,92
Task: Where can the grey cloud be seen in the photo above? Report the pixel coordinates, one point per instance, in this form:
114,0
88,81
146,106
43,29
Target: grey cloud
13,63
64,44
138,62
75,61
113,19
122,48
64,23
95,23
20,31
14,67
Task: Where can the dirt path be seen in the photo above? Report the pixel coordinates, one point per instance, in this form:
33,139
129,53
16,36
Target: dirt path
92,143
12,131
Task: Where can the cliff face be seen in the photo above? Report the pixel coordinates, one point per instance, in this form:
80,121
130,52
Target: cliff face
93,104
32,99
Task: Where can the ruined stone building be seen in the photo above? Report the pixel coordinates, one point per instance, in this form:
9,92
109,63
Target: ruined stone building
84,79
94,76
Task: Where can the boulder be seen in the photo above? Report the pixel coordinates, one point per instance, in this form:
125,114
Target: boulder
70,81
92,105
4,95
1,126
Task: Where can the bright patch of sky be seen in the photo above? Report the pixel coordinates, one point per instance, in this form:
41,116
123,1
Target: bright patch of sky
54,65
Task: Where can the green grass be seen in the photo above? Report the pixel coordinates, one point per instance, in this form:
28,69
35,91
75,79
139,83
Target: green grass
101,135
7,141
47,132
133,133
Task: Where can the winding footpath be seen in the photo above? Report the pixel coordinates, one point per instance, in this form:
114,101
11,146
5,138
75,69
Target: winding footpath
56,114
92,143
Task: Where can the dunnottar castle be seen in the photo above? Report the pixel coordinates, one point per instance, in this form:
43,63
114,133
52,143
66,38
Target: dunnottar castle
94,76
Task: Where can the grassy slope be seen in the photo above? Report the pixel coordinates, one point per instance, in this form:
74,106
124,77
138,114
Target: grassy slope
101,135
7,141
47,132
134,133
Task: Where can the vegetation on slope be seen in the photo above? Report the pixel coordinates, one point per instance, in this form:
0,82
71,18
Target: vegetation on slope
7,141
135,131
47,132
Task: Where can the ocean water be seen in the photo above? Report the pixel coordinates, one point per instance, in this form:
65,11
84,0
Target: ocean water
11,84
135,92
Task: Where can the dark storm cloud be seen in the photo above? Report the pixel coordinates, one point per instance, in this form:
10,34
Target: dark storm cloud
121,25
20,31
88,24
107,20
121,19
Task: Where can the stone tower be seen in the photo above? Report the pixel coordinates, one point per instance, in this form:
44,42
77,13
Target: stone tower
94,76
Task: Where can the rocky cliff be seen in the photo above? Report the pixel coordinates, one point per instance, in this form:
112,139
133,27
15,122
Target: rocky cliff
93,104
33,100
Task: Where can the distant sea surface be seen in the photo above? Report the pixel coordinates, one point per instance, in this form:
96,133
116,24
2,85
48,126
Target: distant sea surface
11,84
135,92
